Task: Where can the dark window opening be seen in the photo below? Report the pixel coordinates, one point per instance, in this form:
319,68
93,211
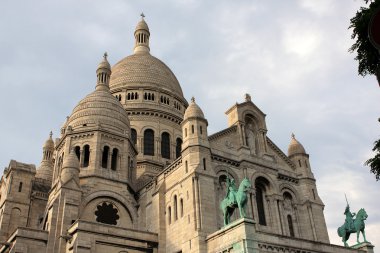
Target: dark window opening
165,145
186,167
20,187
290,223
181,202
299,162
178,147
115,153
149,142
200,129
107,213
192,129
175,208
77,152
260,206
134,136
169,215
106,150
86,158
204,163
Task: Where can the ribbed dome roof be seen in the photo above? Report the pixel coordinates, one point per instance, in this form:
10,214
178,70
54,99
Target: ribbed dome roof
100,108
49,143
193,111
142,25
142,70
295,147
104,64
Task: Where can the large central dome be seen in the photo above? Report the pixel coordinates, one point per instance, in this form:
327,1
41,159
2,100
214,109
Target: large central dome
142,70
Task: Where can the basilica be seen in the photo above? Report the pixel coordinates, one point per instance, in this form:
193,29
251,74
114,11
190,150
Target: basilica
134,169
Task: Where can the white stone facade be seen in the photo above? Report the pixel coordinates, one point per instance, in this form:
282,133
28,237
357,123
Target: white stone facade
134,170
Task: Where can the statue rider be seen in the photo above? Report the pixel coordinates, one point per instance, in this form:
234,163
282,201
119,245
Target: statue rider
349,219
231,191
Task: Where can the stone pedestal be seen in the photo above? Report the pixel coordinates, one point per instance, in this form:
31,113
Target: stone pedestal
366,246
235,237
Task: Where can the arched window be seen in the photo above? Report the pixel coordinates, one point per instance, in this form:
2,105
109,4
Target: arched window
261,185
175,208
115,153
134,136
86,157
77,152
192,129
178,147
260,205
181,203
165,145
149,142
20,187
169,215
290,224
106,151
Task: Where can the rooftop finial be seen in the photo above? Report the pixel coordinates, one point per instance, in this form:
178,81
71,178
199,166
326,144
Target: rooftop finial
247,97
142,15
193,99
51,134
105,55
293,136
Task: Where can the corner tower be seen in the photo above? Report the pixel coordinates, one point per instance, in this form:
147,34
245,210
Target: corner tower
153,99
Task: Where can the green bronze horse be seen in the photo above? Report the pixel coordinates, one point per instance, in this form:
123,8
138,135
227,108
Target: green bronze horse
235,199
345,230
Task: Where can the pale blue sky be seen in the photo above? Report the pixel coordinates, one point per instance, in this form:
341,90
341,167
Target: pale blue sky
291,56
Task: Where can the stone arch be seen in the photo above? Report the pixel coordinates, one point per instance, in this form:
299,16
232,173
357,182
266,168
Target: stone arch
111,197
286,187
273,187
219,170
256,117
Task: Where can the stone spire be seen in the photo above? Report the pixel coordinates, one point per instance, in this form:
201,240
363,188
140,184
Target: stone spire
45,170
103,73
142,35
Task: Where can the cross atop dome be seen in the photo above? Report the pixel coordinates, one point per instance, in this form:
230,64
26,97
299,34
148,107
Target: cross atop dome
142,35
105,55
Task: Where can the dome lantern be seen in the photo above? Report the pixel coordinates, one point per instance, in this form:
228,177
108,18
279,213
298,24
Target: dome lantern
103,73
142,35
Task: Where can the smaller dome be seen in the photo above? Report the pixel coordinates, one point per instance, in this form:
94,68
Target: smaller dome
70,168
142,25
71,161
104,64
295,147
193,111
49,143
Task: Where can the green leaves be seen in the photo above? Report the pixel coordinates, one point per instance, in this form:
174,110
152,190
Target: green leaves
374,163
367,55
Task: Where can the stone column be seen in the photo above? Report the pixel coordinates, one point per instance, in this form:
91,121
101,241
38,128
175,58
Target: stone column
196,200
81,156
311,217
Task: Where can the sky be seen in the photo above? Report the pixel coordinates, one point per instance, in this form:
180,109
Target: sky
290,56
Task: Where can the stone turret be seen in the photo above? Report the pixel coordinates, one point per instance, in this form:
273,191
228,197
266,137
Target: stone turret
194,127
45,170
298,155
